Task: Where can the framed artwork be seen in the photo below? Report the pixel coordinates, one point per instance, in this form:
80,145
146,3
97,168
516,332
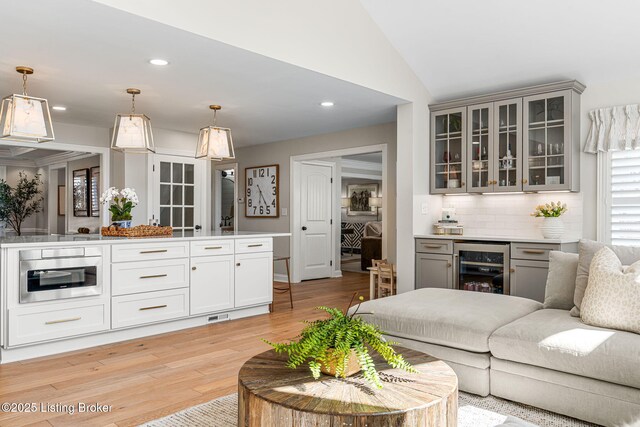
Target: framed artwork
62,200
81,192
262,192
358,195
94,174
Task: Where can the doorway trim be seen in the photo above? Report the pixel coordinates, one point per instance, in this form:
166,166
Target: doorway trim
294,200
217,194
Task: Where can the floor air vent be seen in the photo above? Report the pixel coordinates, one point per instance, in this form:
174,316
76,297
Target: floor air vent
218,318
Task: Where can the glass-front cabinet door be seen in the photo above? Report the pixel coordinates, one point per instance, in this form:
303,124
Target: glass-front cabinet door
547,141
507,165
479,148
448,151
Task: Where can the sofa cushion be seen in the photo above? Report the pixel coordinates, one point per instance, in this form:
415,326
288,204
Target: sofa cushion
561,280
448,317
612,298
553,339
586,250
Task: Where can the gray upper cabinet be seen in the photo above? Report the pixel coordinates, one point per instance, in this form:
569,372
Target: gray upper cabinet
551,149
448,151
480,148
517,140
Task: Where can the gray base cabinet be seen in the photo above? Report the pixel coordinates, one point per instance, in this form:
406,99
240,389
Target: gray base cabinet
526,264
529,278
434,271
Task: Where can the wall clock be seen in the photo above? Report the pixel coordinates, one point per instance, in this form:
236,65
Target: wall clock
261,184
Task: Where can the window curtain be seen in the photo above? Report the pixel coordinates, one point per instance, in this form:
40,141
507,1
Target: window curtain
614,129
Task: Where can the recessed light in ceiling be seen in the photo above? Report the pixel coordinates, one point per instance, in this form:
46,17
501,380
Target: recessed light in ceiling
327,104
158,62
59,108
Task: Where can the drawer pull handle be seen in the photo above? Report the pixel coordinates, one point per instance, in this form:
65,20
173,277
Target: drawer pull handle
53,322
533,251
153,276
257,245
432,246
213,247
156,251
153,307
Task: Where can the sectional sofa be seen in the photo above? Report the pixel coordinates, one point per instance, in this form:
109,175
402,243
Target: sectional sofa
523,350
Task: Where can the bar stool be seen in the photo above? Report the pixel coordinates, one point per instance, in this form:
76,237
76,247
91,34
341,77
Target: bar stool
288,288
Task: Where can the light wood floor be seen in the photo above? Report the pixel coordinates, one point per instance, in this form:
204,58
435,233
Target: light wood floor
152,377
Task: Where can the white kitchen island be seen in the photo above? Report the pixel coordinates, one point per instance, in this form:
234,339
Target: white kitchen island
135,287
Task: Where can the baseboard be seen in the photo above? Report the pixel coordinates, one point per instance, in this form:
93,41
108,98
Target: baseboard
278,277
337,274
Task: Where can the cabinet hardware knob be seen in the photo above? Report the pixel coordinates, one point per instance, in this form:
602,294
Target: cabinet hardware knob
449,265
462,183
512,270
237,264
193,268
524,181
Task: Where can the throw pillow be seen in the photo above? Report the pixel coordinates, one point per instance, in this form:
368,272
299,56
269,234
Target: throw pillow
561,280
586,250
612,297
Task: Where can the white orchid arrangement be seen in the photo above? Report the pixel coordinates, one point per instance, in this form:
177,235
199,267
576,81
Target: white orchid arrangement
550,210
121,202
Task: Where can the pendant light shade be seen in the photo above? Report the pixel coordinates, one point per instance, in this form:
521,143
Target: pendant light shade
25,118
132,132
214,142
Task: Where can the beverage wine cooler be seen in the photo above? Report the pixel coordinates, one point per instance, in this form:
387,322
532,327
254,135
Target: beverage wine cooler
481,267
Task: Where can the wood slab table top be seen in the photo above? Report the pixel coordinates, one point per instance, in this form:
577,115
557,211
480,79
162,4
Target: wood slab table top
270,394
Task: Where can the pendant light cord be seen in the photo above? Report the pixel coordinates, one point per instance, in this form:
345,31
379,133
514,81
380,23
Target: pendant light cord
133,104
24,84
214,117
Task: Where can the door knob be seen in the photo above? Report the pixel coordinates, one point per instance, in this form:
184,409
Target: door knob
197,227
193,268
237,264
304,228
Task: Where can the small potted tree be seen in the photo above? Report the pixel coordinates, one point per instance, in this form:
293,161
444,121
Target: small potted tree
340,345
20,202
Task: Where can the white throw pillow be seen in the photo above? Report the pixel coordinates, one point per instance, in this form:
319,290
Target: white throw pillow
612,297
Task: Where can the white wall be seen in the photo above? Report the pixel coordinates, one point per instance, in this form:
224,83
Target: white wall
36,223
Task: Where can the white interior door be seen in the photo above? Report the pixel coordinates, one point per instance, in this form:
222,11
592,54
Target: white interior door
315,219
177,192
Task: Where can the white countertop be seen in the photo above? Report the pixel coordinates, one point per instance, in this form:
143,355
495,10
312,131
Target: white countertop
519,239
91,239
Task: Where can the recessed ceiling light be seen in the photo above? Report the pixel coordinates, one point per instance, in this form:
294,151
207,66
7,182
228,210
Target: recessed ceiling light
59,108
327,104
158,62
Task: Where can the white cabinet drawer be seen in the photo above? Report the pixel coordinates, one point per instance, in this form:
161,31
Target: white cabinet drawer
244,246
212,247
47,322
149,251
138,309
137,277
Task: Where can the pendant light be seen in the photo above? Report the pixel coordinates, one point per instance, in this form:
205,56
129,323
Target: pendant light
132,132
25,118
214,142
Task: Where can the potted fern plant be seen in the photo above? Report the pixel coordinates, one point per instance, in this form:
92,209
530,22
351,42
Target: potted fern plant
340,345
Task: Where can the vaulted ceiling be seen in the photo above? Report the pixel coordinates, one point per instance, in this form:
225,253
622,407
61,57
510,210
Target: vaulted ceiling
465,47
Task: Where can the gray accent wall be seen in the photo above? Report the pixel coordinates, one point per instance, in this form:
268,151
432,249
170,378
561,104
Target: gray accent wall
280,153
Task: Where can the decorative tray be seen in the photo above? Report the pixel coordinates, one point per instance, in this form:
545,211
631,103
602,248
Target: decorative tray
137,231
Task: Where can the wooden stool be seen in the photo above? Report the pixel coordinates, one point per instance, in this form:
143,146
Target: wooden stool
288,288
386,279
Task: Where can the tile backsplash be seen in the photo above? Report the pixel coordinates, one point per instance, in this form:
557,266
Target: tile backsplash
510,214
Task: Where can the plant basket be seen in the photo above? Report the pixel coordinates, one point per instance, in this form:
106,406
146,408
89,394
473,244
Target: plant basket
353,366
137,231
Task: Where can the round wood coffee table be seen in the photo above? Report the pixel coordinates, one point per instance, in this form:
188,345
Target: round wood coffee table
270,394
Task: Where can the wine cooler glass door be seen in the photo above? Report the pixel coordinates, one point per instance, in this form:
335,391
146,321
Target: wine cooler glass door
482,268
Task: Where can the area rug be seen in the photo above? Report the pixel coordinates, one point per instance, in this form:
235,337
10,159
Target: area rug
473,411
